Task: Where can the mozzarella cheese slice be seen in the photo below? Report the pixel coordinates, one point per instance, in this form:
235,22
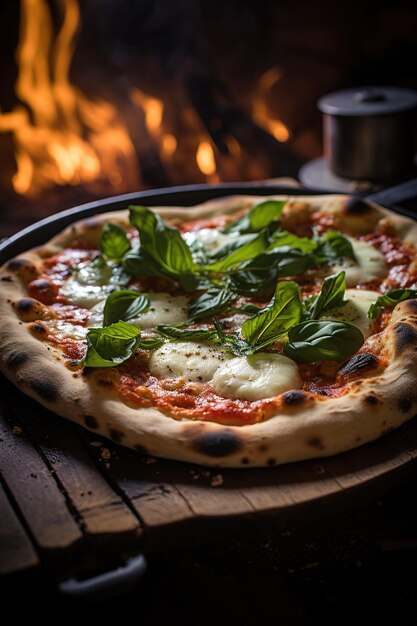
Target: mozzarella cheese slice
90,284
66,330
369,264
255,377
184,359
211,238
355,311
164,309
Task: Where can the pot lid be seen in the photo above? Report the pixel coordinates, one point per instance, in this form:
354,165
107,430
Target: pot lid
368,101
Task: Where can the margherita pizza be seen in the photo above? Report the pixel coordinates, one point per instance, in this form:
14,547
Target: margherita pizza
242,332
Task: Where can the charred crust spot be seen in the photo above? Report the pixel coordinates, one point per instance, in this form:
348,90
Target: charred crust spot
17,264
116,434
371,399
7,279
25,305
357,206
358,438
316,442
141,449
90,421
37,327
294,397
411,305
16,359
358,363
45,389
263,447
405,336
245,460
405,404
218,444
271,461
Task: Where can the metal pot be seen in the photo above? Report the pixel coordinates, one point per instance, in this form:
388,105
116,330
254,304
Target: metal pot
369,132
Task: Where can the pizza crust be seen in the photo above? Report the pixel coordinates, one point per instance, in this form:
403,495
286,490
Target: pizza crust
306,426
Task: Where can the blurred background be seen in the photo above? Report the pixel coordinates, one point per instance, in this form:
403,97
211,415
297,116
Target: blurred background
101,97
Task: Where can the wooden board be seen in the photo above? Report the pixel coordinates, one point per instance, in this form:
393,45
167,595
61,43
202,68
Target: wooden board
74,501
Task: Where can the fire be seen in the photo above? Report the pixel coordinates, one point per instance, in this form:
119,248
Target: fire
61,137
205,158
260,109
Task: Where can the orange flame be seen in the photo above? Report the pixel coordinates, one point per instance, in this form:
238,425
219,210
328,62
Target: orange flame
260,109
61,136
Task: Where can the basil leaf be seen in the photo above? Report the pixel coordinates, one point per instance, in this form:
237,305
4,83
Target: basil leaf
210,303
391,298
231,342
259,217
186,334
138,263
323,341
163,244
248,251
260,275
231,246
333,245
150,344
113,242
110,346
284,238
124,304
248,308
331,296
283,312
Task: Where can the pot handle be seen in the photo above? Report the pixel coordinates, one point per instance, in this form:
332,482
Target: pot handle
111,583
396,195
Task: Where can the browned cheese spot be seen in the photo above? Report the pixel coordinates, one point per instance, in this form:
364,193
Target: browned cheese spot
46,389
90,421
116,434
316,442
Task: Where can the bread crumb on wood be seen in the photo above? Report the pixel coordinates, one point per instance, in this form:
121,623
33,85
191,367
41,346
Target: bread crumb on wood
217,480
105,454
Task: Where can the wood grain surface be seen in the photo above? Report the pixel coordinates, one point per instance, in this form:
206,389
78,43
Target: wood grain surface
72,500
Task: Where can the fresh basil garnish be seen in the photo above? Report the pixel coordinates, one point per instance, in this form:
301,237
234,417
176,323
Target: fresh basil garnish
276,319
231,342
323,341
391,298
113,242
284,238
258,218
331,296
260,274
110,346
247,308
334,246
124,305
160,244
138,263
249,250
231,246
187,334
210,303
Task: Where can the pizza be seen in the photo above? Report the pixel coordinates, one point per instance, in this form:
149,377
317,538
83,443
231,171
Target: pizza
246,331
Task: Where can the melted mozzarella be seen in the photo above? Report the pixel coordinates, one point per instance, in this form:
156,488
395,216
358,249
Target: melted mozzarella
355,311
369,264
259,376
193,361
164,309
63,329
210,238
90,284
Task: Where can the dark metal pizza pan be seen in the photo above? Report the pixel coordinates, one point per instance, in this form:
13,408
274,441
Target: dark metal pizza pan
186,195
